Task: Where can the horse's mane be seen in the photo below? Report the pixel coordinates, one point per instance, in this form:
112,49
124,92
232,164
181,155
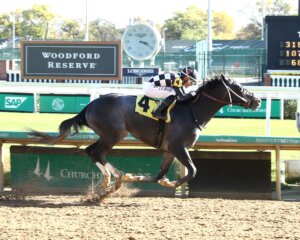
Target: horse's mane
212,82
209,83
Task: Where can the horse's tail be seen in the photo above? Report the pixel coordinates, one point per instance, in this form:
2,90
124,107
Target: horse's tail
67,127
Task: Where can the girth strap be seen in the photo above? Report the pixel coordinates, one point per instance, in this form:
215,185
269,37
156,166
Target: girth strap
160,132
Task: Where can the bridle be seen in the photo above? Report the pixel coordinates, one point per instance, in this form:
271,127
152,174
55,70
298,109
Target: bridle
245,102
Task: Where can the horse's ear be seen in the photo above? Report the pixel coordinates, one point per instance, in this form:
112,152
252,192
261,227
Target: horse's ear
223,77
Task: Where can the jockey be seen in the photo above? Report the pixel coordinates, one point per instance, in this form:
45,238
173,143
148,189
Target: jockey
170,86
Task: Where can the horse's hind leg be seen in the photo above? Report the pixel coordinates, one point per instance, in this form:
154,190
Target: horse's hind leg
93,151
97,152
117,175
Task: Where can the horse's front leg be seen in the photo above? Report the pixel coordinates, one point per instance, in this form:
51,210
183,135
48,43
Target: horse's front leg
164,168
182,154
167,161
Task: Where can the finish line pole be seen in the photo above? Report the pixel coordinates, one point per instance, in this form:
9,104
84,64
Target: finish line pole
1,168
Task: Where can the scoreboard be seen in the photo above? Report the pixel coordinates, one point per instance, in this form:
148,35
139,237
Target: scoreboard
283,42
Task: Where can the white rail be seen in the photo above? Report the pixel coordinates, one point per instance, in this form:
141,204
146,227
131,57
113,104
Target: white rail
132,89
69,88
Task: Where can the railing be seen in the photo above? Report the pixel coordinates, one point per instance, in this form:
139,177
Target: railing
15,76
285,81
280,78
96,89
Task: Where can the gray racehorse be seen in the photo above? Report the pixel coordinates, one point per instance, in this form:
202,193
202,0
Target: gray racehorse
113,116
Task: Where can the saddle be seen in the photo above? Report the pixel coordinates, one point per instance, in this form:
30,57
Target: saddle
145,106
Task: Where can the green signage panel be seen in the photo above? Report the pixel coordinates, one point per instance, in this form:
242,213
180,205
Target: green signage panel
241,112
52,103
13,102
69,170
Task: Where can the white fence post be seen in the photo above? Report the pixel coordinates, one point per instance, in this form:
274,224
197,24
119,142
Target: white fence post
268,116
281,109
1,167
298,115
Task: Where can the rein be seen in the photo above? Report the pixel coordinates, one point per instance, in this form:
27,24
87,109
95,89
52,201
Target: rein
196,120
215,99
229,90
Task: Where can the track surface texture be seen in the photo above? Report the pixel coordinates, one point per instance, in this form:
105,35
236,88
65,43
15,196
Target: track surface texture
131,217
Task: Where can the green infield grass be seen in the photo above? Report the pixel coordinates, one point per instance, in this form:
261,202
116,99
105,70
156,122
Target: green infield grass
217,126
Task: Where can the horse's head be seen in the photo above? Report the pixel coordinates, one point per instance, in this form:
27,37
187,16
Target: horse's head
227,92
238,95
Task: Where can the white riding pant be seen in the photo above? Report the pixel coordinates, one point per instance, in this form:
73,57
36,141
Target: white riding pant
153,91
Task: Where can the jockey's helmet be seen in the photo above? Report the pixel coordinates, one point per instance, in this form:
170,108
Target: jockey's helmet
189,72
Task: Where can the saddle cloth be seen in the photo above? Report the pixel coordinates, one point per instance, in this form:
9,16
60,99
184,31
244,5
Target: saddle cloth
145,106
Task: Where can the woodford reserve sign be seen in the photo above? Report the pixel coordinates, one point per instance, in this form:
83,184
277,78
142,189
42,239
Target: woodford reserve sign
71,60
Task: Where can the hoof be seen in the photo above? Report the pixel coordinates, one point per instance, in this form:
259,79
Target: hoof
165,182
127,178
118,184
105,184
98,196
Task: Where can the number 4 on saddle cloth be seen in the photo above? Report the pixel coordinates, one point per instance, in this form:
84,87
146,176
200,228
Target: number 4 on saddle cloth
145,106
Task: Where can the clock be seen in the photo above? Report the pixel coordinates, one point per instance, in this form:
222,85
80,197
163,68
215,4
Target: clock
141,41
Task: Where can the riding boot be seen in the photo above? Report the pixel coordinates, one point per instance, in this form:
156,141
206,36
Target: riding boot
161,111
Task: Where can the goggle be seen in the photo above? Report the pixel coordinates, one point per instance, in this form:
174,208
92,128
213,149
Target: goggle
191,78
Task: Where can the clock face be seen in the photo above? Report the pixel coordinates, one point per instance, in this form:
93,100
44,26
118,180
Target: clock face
141,41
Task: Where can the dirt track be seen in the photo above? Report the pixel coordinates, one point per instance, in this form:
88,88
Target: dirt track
126,217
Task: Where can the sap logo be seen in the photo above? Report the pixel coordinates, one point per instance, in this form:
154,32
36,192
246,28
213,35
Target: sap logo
14,102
